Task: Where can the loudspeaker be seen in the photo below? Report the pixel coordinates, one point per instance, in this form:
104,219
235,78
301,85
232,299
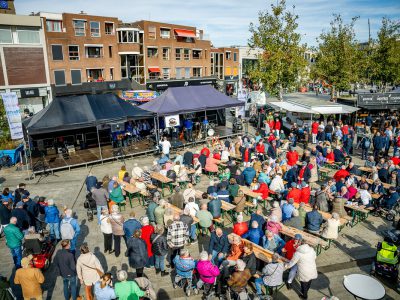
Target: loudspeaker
117,127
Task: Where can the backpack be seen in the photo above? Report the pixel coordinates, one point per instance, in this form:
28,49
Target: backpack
66,230
367,143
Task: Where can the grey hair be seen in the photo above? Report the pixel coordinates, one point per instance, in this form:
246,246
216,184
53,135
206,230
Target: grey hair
239,218
254,224
275,204
295,213
122,275
240,264
335,216
114,208
184,252
203,255
145,221
50,202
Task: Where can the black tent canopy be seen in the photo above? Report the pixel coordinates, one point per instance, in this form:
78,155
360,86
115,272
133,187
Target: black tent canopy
75,112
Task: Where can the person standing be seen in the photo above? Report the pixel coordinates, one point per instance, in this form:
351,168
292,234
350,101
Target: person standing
137,253
22,217
160,249
147,231
5,212
117,223
100,195
89,270
166,146
64,261
70,229
177,235
127,290
30,279
52,217
91,182
130,226
304,257
32,208
106,229
14,238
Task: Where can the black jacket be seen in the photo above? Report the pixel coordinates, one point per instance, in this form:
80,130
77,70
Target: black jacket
271,152
22,218
202,160
188,220
291,176
219,244
251,262
137,253
33,211
188,158
5,215
159,246
65,263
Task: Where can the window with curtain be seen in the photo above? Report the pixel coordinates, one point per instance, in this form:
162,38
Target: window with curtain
28,36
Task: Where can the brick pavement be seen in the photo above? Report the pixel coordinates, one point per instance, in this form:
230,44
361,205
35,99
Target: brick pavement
354,244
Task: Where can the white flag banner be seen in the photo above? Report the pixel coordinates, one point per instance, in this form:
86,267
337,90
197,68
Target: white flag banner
11,107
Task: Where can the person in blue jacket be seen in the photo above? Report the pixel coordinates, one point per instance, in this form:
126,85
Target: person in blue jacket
75,225
390,200
287,210
184,266
254,234
249,173
258,216
218,247
52,217
272,242
379,143
130,226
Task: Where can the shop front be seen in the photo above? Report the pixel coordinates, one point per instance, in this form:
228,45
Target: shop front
231,84
32,100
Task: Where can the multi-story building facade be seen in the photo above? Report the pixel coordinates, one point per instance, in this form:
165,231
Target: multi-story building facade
23,61
81,48
174,55
225,66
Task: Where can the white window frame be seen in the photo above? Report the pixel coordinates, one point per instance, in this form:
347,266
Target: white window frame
65,78
20,30
58,21
147,52
168,73
180,54
201,71
75,28
165,36
113,31
71,75
98,34
69,56
167,57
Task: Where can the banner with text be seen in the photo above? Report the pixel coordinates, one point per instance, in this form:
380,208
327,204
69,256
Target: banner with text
11,107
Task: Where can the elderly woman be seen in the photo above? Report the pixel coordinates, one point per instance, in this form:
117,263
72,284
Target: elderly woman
240,227
208,273
137,253
147,231
274,225
239,200
272,275
331,229
117,221
125,289
276,211
52,217
272,242
106,229
116,195
211,164
159,248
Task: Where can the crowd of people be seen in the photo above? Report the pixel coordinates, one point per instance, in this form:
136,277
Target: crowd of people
290,193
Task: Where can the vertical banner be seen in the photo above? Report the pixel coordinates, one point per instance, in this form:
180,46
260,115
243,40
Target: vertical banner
242,96
11,107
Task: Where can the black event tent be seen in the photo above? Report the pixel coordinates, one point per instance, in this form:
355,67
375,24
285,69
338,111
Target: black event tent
74,112
189,99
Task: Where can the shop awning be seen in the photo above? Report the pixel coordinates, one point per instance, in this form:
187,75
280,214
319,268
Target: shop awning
154,70
334,110
290,107
185,33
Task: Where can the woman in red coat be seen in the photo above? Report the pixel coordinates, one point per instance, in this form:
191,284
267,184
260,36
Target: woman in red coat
147,231
330,157
263,190
240,227
277,127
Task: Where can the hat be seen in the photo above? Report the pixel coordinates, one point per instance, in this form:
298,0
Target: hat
298,236
293,184
19,204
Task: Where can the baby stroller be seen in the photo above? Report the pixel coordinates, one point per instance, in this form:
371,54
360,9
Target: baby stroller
386,260
90,205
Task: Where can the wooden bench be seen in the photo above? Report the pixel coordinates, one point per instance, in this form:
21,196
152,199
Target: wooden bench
325,215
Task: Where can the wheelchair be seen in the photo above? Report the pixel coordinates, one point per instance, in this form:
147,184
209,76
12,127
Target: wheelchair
233,295
186,284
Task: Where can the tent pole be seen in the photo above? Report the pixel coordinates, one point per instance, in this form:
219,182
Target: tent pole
30,156
98,140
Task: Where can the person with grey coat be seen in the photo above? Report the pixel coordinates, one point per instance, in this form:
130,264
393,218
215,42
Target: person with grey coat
272,274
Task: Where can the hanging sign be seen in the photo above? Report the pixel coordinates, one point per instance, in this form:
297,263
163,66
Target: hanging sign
172,121
11,107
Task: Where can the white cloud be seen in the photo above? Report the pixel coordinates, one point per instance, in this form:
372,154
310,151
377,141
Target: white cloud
226,21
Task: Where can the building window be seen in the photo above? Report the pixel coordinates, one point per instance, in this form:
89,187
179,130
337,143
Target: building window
27,35
110,51
178,73
166,73
53,26
187,72
152,32
186,54
228,55
109,28
128,36
94,75
57,52
59,77
196,54
79,27
73,52
178,52
94,29
154,75
235,56
94,52
165,33
152,52
111,73
5,35
165,53
196,72
76,77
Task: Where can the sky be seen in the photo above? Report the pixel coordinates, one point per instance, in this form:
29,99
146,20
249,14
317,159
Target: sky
226,22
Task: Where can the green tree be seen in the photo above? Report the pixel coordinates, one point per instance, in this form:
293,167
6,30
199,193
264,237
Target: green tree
281,61
337,55
386,54
5,136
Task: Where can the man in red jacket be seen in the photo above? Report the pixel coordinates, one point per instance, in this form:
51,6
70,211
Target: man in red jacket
314,131
305,192
292,157
294,193
342,173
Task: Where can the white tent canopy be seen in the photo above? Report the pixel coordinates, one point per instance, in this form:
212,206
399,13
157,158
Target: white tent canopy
290,107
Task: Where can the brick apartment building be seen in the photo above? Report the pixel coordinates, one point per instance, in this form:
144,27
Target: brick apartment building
82,51
23,61
225,66
174,55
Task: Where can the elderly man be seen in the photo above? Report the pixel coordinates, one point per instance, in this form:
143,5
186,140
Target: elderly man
30,279
205,217
272,275
100,195
218,247
185,265
287,210
177,235
159,212
14,238
70,229
177,198
22,217
254,234
314,220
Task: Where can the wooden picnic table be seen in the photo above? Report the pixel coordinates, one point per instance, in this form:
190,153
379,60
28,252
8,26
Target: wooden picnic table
358,213
375,196
370,181
163,179
365,169
249,192
261,253
130,189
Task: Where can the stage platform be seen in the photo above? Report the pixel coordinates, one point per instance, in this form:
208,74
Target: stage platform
86,157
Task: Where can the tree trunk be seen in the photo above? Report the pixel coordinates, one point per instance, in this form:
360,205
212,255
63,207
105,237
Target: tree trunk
333,93
280,97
